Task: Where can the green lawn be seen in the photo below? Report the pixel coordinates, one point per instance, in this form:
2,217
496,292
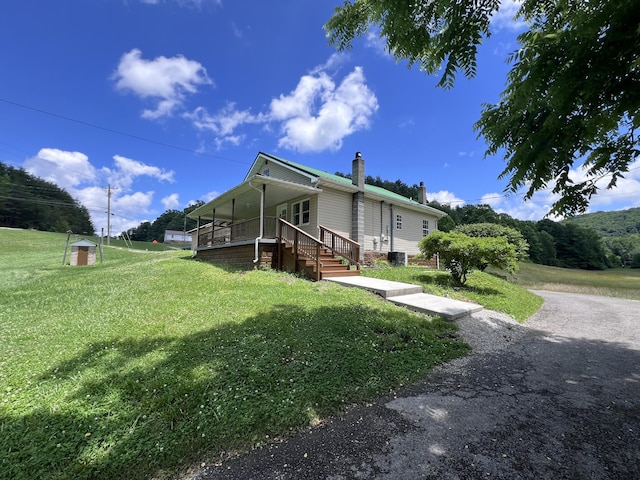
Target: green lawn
491,291
619,282
151,362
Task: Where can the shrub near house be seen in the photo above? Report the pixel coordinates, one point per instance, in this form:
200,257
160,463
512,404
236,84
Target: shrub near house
461,254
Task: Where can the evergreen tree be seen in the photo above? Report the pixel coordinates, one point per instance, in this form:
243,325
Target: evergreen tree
30,202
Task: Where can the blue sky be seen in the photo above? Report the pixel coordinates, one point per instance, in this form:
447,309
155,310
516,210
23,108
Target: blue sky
169,101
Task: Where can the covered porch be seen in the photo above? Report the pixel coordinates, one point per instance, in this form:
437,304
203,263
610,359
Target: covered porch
247,226
246,213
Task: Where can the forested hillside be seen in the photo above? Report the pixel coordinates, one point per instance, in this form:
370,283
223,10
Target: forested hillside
610,224
30,202
620,233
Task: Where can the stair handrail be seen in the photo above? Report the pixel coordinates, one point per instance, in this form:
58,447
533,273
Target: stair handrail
313,253
341,245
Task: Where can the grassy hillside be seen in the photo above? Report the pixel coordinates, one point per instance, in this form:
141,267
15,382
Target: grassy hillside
151,362
620,282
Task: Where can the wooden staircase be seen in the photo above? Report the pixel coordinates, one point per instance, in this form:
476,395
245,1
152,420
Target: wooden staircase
330,264
300,252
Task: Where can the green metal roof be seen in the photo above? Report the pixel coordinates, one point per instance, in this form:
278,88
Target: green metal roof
378,191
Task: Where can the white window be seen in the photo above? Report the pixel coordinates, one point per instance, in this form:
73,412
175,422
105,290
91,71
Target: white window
425,228
301,213
266,172
398,222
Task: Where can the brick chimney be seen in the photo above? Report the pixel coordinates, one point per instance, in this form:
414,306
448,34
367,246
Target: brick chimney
357,171
422,194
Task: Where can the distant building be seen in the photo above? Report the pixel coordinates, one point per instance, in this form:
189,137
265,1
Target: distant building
177,236
83,253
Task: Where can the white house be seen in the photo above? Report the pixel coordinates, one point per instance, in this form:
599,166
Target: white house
278,200
176,236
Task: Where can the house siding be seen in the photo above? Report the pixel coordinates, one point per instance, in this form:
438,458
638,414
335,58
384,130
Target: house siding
334,211
282,173
406,240
373,225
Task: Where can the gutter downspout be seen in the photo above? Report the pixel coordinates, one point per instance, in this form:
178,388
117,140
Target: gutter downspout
259,237
381,224
392,225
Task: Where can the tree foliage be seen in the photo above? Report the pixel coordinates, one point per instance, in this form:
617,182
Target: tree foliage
169,220
461,254
575,247
484,230
30,202
572,96
620,233
623,249
610,224
398,186
550,243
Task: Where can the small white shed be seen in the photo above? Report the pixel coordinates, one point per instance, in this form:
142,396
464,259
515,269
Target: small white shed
83,252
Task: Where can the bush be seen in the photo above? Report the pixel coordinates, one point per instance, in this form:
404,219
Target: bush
461,254
483,230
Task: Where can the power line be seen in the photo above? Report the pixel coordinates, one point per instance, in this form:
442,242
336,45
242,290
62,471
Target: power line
118,132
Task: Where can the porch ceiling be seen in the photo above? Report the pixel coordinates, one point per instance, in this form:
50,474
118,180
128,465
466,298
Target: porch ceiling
246,198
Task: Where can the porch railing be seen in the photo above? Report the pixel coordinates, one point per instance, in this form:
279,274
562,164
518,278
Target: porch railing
238,232
302,244
341,246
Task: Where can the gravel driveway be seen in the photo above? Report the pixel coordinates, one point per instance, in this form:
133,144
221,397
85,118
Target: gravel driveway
558,398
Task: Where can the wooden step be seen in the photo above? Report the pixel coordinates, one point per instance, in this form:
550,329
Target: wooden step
330,266
339,273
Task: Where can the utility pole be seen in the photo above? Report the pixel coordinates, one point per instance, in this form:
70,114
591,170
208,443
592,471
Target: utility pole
109,191
109,215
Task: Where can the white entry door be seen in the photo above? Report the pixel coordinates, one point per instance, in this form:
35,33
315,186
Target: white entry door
281,211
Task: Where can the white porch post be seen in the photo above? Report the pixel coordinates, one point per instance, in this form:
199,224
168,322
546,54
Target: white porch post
197,233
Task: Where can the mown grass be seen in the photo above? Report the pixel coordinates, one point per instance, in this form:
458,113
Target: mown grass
151,362
620,282
488,290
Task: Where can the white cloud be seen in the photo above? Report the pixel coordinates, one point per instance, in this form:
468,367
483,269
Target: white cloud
65,169
126,170
225,121
378,44
445,198
164,80
171,202
504,18
74,172
207,197
335,61
127,204
624,195
317,115
493,199
237,32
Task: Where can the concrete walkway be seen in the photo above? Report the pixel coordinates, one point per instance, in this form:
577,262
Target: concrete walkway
411,296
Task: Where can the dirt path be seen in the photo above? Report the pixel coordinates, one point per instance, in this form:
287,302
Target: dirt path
557,399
